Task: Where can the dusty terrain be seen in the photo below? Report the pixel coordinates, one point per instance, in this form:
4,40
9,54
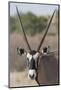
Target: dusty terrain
18,79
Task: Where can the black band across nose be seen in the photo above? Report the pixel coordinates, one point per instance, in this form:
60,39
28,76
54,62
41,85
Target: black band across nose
32,64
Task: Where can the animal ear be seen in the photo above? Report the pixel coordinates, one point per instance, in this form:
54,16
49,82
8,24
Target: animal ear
21,51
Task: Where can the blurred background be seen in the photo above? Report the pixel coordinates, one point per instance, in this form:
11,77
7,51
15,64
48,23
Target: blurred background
35,18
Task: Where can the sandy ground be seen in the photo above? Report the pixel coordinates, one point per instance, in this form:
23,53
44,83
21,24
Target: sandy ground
18,79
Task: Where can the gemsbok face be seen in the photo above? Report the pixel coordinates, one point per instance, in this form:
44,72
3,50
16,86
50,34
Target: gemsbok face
32,61
32,55
32,58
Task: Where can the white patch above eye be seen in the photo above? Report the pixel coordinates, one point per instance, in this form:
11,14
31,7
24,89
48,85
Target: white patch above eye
36,55
29,56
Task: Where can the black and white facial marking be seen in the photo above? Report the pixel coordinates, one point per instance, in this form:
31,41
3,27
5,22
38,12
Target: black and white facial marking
32,58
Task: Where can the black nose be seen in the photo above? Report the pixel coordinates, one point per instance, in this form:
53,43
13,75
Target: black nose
31,76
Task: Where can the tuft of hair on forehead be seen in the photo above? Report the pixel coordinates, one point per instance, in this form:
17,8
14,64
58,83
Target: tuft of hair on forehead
32,52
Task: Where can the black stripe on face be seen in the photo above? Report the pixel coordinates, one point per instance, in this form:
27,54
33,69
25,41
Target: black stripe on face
32,64
31,59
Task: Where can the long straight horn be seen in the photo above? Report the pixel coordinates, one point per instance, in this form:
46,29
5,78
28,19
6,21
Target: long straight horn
41,42
23,30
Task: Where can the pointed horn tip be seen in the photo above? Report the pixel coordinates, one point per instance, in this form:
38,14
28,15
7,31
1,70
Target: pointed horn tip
23,28
55,10
52,17
16,6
